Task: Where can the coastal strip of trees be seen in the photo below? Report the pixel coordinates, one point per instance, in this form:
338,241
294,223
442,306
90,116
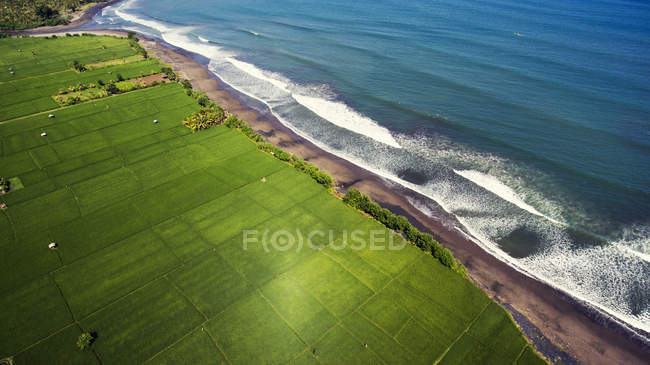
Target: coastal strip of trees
401,224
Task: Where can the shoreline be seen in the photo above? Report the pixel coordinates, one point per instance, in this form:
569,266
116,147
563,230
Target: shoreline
539,309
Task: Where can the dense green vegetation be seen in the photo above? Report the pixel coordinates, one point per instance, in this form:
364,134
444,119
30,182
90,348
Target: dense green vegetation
4,185
84,341
151,261
22,14
75,94
399,223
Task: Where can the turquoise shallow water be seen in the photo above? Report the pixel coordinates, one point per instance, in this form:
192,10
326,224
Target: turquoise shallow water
529,122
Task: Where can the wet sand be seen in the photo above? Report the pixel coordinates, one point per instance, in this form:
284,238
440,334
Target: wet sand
544,313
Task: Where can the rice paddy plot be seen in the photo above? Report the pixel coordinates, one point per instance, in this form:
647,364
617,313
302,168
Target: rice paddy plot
210,283
331,284
139,325
250,332
58,349
24,325
306,315
195,348
88,288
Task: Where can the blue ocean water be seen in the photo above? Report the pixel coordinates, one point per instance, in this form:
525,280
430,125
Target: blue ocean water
528,121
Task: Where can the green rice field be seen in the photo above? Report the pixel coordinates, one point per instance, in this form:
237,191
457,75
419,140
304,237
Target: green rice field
150,220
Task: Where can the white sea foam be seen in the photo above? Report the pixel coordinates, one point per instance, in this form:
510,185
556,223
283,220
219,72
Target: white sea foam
581,272
334,112
203,39
342,115
260,74
636,240
120,11
493,185
599,276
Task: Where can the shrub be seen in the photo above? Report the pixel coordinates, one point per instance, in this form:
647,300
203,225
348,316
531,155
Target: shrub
120,77
78,66
72,100
130,34
257,138
111,88
4,185
232,121
100,82
78,87
133,42
203,100
85,340
447,258
277,152
322,177
169,72
205,118
424,241
45,12
186,84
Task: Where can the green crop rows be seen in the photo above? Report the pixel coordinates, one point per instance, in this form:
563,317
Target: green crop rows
148,218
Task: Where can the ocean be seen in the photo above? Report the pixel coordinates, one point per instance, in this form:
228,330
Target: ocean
527,121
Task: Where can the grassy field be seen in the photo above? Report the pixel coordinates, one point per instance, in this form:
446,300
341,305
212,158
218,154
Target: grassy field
148,218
